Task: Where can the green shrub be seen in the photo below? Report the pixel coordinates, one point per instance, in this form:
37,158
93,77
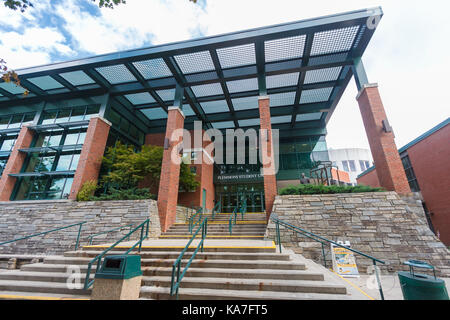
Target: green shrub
87,190
320,189
127,194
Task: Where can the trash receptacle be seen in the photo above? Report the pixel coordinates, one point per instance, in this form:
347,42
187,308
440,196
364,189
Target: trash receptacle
416,286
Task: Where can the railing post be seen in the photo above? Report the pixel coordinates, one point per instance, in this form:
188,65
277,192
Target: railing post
378,279
278,235
78,237
147,228
141,239
173,278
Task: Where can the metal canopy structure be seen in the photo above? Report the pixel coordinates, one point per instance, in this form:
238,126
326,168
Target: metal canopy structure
303,66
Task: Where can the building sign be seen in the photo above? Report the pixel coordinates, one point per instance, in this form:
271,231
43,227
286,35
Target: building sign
239,177
344,262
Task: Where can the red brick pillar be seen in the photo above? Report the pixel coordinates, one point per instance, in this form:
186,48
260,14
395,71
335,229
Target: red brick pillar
390,171
91,155
170,171
270,181
15,163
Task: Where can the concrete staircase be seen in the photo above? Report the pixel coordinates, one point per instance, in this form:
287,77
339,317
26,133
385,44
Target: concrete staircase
229,268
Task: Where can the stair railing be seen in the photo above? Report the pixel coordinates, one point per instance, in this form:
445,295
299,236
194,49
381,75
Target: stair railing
325,241
91,237
242,210
215,210
176,267
197,217
143,227
80,224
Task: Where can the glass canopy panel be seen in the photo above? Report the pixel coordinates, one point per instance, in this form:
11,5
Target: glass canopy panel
249,122
282,99
322,75
330,58
153,68
215,106
155,113
195,62
140,98
333,41
242,85
284,49
223,124
245,103
308,117
46,83
205,90
11,88
237,56
116,74
187,110
281,119
77,78
316,95
282,80
166,95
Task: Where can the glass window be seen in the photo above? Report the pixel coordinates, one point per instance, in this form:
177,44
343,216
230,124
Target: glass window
71,139
49,117
45,164
16,121
28,118
53,140
7,144
4,121
63,116
2,165
75,159
362,165
352,165
194,170
345,166
367,164
91,111
64,162
77,114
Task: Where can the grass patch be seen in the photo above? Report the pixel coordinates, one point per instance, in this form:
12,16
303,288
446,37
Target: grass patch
320,189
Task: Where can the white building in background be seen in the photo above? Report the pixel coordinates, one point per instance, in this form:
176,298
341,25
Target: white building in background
353,160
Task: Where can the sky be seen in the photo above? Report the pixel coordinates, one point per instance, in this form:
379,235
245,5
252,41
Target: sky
408,55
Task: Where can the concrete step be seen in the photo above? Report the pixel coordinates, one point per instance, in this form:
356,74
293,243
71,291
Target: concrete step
187,237
61,277
223,226
200,255
304,286
21,295
55,268
40,286
217,233
162,293
233,264
238,273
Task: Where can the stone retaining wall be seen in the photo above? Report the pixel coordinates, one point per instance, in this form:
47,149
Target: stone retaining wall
379,224
22,218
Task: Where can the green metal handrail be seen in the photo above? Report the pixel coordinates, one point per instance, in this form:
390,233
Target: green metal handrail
232,221
198,213
53,230
142,226
323,241
215,210
91,237
176,267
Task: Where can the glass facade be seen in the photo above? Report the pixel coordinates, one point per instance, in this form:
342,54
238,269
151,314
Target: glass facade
410,175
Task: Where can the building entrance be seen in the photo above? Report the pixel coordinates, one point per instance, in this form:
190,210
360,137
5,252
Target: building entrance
231,196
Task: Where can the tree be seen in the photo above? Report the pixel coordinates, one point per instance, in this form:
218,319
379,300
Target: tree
126,168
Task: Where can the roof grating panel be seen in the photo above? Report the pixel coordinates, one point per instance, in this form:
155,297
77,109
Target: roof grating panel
360,35
155,113
237,56
195,62
153,68
282,99
116,74
332,58
140,98
322,75
332,41
187,110
205,76
46,83
281,119
12,88
245,103
308,117
282,80
77,78
249,122
215,106
223,124
286,48
242,85
206,90
167,94
315,95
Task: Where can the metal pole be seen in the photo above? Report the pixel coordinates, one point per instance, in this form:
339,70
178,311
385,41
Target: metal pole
78,237
278,235
378,280
142,235
323,255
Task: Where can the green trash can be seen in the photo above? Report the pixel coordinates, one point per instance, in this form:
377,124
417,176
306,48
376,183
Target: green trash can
416,286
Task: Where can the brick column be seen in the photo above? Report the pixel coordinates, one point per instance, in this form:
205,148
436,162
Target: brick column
390,171
91,155
270,181
170,171
15,163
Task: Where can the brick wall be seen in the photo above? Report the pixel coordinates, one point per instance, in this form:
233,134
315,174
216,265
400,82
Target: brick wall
378,224
369,179
430,161
23,218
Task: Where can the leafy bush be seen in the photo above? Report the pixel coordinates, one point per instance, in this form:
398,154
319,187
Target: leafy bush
320,189
127,194
87,190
